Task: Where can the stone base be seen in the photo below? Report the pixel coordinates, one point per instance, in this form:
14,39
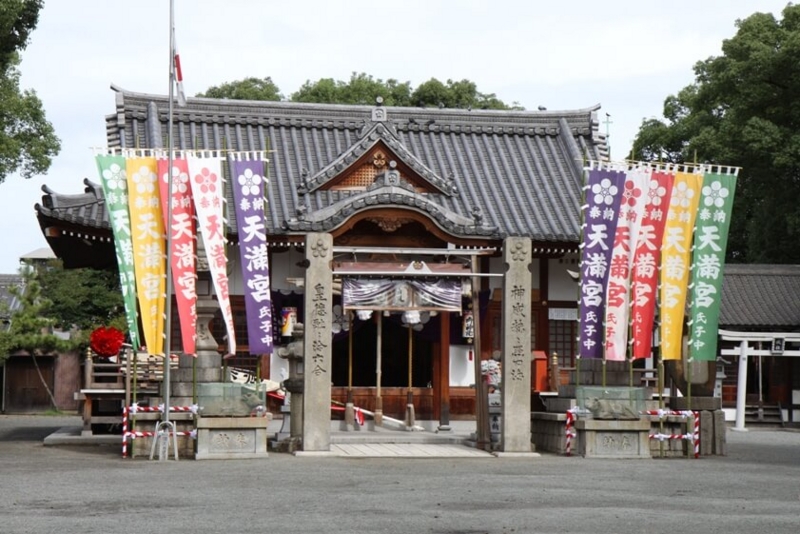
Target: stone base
697,403
230,438
500,454
599,438
146,422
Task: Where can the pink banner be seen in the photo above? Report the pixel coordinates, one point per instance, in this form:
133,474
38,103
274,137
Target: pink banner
205,177
646,261
619,280
182,253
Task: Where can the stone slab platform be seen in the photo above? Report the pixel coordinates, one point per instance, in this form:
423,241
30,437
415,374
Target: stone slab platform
406,450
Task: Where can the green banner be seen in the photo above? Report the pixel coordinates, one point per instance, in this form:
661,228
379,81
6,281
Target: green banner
115,188
708,262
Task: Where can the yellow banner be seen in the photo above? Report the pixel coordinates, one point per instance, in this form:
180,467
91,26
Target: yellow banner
676,249
147,234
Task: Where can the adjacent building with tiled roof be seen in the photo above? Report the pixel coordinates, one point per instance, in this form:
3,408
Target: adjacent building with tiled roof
761,297
9,302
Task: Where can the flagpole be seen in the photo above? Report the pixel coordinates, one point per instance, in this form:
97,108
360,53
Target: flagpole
170,148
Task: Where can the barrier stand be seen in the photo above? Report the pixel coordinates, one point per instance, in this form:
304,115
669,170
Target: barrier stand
693,436
162,432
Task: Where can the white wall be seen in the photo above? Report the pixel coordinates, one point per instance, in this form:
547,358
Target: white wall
283,266
462,369
561,285
496,265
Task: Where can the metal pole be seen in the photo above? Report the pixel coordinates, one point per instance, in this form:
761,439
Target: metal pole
166,428
168,305
741,388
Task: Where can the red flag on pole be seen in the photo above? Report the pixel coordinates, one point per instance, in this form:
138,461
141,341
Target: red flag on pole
179,78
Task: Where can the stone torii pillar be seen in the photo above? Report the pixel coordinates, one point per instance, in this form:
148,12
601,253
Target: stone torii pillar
515,387
318,303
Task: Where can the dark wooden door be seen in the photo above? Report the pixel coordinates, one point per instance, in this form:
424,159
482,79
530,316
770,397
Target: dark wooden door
24,389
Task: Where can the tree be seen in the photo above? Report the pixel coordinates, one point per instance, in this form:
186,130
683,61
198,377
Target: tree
30,328
27,140
743,111
247,89
363,89
462,94
82,298
18,18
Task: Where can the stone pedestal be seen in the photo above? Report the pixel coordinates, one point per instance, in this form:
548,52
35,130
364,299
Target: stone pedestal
206,366
146,422
600,438
231,438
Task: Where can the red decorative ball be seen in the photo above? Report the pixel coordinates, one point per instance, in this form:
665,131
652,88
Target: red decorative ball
106,342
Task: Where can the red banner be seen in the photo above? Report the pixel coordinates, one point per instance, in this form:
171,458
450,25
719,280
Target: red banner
182,254
646,261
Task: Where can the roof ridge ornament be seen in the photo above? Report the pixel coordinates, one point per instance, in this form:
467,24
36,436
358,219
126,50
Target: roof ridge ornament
379,112
477,215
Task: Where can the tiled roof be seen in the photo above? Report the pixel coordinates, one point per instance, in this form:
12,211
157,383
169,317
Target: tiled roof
8,302
87,209
761,296
491,173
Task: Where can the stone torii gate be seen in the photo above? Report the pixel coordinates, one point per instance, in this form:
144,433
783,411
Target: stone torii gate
516,354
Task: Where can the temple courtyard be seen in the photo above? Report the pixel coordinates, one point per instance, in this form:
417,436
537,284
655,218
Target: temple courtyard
755,488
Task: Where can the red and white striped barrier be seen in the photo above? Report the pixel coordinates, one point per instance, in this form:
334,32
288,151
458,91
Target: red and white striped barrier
134,435
694,436
569,430
133,409
359,414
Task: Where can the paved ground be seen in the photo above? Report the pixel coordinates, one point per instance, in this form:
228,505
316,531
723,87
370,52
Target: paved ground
89,489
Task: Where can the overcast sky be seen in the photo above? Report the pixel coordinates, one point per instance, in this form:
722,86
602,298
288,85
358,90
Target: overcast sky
626,55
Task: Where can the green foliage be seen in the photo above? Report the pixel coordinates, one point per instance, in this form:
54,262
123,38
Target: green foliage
462,94
31,325
27,140
82,298
247,89
363,89
18,18
744,110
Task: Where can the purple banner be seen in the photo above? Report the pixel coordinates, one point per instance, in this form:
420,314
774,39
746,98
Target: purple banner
603,196
249,194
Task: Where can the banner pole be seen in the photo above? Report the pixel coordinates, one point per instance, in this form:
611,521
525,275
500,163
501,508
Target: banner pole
168,290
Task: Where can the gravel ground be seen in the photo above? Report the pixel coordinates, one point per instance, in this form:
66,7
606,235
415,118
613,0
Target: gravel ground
76,489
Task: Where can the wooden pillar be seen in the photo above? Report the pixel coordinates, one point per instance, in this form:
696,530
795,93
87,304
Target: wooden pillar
443,383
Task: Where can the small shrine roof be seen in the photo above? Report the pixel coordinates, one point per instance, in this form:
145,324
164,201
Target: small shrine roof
757,296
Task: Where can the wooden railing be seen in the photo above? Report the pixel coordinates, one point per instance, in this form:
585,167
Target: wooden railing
143,373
